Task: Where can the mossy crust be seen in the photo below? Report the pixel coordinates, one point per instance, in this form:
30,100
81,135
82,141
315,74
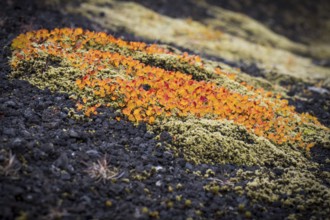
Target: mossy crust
222,142
289,187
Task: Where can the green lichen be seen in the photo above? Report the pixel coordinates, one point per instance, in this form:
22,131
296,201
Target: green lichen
49,72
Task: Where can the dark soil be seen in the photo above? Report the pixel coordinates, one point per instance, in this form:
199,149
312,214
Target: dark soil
48,177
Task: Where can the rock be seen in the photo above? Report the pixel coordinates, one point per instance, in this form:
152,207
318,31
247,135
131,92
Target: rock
65,176
18,142
93,153
10,132
62,161
318,90
10,104
189,166
73,134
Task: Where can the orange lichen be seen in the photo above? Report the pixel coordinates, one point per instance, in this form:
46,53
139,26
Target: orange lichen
147,93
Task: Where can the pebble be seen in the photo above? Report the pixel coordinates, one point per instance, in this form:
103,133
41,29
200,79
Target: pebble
93,153
73,134
18,142
62,161
10,104
65,176
189,166
9,132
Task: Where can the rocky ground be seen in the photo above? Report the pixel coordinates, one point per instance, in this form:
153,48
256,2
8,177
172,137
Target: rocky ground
55,167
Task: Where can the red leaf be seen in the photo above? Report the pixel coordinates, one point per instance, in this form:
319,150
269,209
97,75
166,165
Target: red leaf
203,99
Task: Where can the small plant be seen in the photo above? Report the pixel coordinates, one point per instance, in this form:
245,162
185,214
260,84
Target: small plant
56,213
10,165
102,171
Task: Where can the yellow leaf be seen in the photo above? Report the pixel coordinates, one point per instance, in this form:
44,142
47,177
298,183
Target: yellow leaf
151,120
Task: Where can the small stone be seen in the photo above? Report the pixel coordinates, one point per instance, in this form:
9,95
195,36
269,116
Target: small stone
73,134
17,142
93,153
137,140
48,147
31,144
25,133
318,90
148,135
28,113
112,122
189,166
52,124
11,104
62,161
168,155
165,136
58,98
180,161
70,169
65,175
278,171
86,199
9,132
38,154
29,198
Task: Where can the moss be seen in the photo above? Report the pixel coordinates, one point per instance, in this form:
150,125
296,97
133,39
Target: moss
178,198
315,134
296,187
222,142
169,204
108,203
209,173
42,74
187,203
22,216
248,214
141,176
179,186
198,212
212,187
154,214
145,210
241,207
